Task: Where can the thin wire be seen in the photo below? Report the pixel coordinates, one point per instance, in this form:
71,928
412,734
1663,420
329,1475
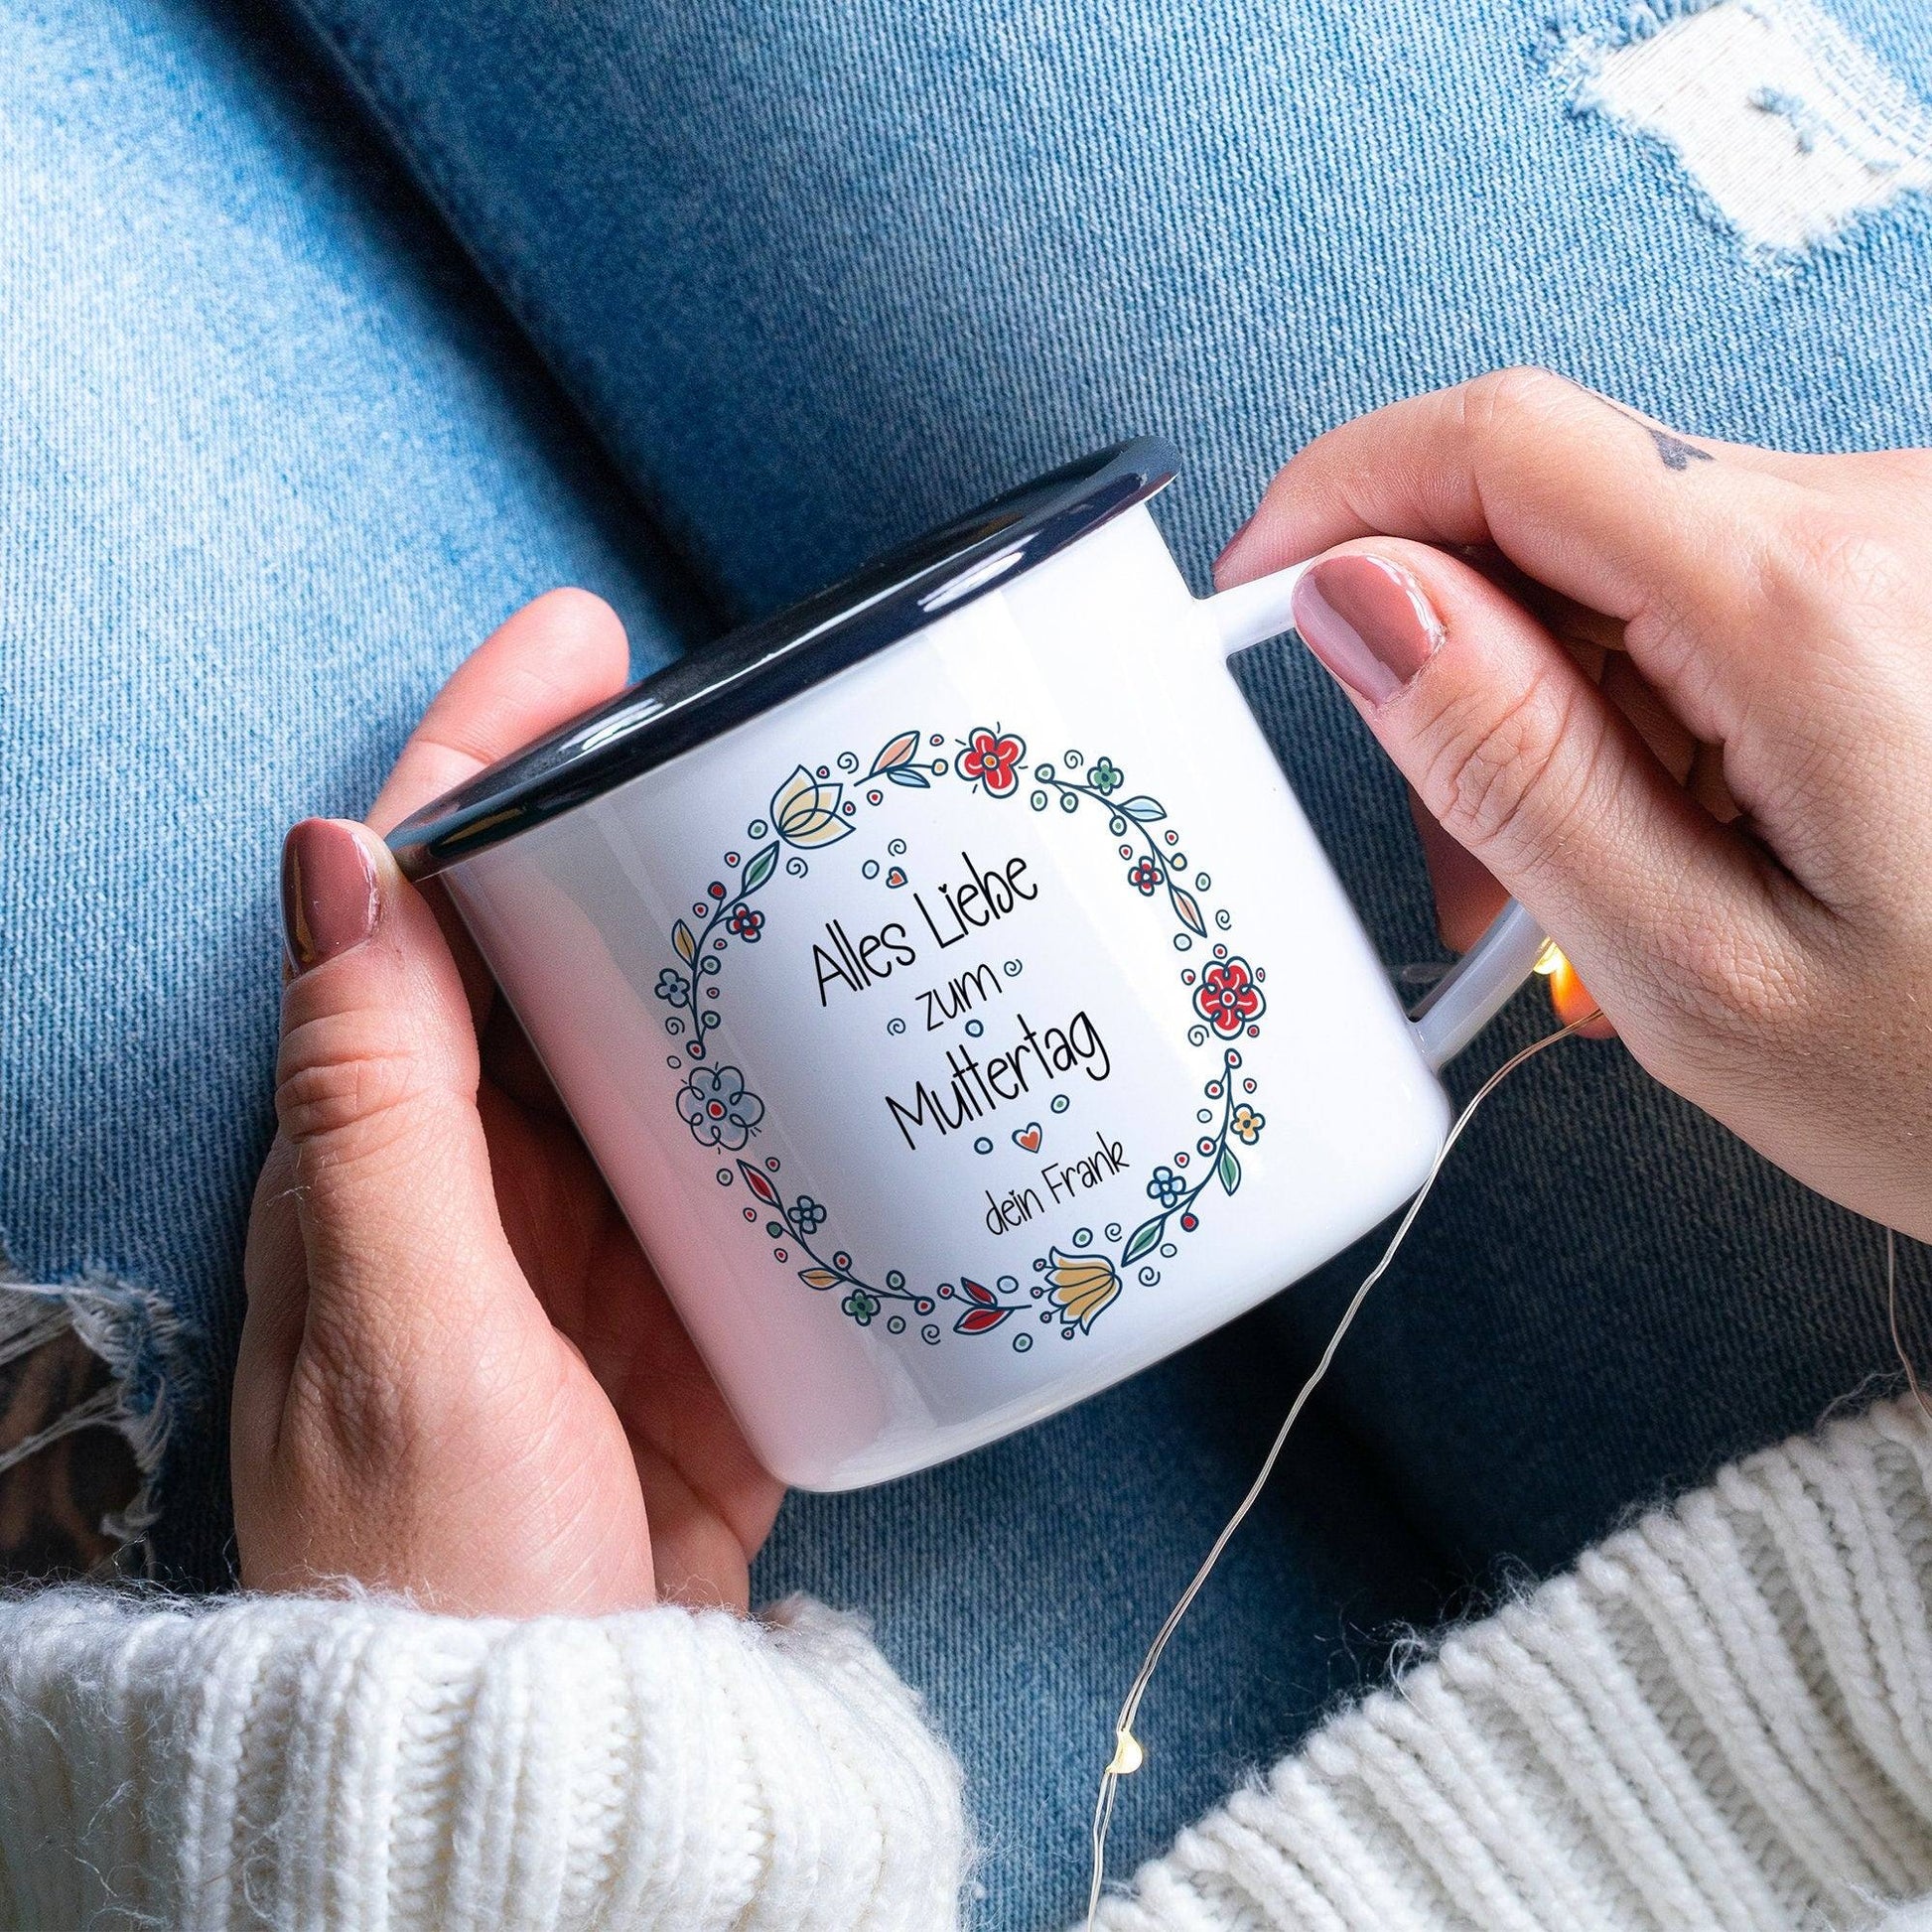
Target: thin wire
1103,1808
1892,1315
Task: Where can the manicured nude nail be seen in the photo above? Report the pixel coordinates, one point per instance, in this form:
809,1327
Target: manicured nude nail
330,896
1368,621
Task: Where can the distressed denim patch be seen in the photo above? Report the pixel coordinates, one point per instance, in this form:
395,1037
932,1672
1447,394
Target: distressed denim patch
1793,134
86,1397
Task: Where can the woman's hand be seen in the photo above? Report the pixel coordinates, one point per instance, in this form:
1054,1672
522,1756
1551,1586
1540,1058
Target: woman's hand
459,1378
1731,834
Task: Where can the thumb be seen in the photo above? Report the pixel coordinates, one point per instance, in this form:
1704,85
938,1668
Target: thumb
1525,763
376,1097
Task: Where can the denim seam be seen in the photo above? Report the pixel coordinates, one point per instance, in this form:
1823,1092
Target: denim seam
362,72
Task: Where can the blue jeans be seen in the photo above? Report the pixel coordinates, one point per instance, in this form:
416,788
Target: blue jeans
274,453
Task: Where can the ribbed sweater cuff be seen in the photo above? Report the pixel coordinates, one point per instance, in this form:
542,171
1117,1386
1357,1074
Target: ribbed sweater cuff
1721,1719
361,1764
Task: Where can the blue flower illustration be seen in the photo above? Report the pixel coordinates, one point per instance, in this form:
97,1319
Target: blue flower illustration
1166,1186
807,1215
718,1108
673,987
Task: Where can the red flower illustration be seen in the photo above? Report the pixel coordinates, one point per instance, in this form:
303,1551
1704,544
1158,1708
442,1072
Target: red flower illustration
1228,998
993,760
1148,876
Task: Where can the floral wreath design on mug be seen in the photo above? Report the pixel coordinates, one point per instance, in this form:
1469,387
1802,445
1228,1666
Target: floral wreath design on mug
1078,1283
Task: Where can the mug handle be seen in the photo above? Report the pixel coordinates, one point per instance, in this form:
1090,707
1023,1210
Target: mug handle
1476,988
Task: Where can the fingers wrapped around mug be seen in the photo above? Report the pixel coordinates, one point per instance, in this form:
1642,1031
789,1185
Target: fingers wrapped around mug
399,1375
1769,601
1717,798
1524,762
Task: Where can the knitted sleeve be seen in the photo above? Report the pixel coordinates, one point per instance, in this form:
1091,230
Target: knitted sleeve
1722,1718
351,1764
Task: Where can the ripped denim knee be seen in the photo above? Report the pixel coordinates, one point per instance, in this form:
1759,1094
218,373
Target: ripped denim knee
90,1382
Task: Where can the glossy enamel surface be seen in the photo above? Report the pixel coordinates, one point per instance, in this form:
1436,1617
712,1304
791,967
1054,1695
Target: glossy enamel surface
898,1017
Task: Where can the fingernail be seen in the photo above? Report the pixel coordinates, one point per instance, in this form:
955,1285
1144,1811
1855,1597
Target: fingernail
1368,621
330,896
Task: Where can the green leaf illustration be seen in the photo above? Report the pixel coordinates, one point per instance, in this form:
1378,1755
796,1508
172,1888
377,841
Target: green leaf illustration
687,947
1229,1170
1145,809
1142,1239
758,867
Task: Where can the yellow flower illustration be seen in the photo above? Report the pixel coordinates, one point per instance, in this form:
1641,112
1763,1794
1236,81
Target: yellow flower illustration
1084,1286
1248,1124
805,811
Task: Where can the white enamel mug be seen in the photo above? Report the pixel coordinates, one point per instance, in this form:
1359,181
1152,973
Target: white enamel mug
950,985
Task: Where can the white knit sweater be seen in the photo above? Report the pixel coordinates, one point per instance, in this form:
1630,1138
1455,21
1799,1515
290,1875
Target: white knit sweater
1721,1719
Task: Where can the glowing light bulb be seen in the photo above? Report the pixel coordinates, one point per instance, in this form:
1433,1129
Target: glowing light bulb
1128,1756
1572,1000
1550,959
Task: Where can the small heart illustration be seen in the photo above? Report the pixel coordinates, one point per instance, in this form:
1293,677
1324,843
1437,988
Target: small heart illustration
897,877
1027,1137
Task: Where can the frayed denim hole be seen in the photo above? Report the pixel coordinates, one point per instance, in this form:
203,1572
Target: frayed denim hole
88,1390
1788,134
